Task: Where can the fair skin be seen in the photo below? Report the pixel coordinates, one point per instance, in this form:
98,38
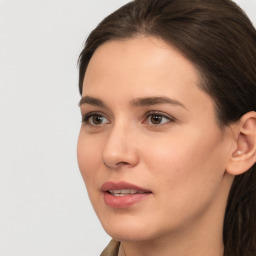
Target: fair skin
147,123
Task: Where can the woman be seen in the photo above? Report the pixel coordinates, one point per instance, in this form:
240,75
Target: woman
167,147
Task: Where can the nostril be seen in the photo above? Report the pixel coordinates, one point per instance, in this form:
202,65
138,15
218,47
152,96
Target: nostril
122,163
115,165
106,165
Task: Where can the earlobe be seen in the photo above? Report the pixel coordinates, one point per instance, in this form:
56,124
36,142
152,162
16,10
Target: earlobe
244,156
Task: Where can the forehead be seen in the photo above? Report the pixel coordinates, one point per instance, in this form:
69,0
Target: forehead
138,60
123,70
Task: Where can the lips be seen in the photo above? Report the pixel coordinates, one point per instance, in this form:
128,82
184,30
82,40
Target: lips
122,194
107,186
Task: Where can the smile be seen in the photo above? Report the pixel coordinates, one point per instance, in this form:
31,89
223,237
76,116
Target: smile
125,192
122,194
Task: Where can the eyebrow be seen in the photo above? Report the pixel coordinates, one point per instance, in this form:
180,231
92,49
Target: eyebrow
137,102
91,101
149,101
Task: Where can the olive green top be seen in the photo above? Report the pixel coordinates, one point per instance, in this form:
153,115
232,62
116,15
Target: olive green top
112,249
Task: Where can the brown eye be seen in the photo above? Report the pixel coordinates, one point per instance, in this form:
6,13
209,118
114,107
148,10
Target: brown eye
156,119
95,119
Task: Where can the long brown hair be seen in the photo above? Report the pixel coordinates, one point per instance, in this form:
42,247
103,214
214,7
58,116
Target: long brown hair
219,39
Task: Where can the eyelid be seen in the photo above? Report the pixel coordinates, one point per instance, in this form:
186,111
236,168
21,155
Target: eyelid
164,115
88,115
170,118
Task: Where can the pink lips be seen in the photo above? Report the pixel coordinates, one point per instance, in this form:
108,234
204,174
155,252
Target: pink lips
123,201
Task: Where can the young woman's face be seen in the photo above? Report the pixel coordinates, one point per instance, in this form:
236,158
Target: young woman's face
150,151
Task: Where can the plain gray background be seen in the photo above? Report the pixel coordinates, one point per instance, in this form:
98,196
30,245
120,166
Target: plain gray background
44,208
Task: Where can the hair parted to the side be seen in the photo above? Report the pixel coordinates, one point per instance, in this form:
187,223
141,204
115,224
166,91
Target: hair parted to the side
219,39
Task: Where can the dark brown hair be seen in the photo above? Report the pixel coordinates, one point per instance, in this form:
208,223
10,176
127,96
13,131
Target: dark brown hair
219,39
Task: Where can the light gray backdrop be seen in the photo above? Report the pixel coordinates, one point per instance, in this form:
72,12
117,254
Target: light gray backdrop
44,208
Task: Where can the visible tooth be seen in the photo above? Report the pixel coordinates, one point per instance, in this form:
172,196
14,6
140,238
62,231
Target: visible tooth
119,194
132,191
123,192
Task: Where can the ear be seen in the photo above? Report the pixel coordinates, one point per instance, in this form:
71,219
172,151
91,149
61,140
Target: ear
244,156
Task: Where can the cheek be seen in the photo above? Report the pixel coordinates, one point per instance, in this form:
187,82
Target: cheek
187,175
88,159
186,161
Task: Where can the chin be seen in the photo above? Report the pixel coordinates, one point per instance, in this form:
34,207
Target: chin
132,229
125,230
129,235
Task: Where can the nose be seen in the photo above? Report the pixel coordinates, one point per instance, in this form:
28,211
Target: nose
120,149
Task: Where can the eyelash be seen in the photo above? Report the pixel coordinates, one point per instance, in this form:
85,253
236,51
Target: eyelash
86,118
158,114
